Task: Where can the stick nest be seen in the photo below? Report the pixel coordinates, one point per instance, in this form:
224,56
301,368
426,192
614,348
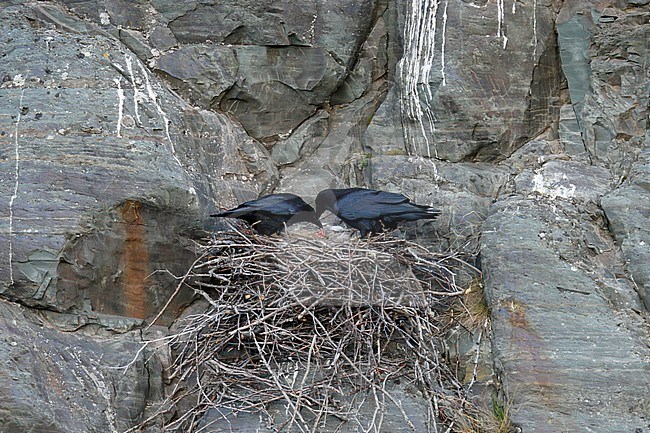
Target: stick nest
315,335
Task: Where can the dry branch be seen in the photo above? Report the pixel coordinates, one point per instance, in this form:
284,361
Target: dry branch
317,326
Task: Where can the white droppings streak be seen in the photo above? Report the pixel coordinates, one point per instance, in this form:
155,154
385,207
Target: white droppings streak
154,100
501,22
136,91
415,66
311,32
428,42
444,42
97,378
499,8
15,193
120,105
535,29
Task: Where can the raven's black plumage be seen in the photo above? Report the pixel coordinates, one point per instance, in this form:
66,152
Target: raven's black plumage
269,214
370,210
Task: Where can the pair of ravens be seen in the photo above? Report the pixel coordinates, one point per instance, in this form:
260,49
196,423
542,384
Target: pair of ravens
368,210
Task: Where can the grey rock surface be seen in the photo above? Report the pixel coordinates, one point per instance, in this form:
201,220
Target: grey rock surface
303,141
271,66
413,406
201,73
567,336
605,77
337,26
80,155
59,382
480,83
294,82
628,213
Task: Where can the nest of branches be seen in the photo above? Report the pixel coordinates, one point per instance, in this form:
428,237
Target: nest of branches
315,335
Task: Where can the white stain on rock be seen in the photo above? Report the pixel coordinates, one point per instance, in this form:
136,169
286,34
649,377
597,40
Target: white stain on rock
554,185
18,80
120,105
14,196
416,64
137,97
104,18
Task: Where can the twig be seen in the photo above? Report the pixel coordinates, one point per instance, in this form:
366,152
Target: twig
343,317
178,289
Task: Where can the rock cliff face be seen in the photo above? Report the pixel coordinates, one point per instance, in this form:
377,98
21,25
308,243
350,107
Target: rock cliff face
123,125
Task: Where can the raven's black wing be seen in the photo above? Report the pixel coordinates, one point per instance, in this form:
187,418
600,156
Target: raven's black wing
368,204
270,214
372,211
281,205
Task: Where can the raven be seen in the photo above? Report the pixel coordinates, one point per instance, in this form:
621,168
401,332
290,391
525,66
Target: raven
269,214
371,211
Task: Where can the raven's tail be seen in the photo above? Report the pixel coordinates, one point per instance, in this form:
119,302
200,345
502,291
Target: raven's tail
232,213
427,212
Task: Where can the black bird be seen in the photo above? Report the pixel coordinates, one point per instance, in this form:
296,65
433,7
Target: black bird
269,214
371,211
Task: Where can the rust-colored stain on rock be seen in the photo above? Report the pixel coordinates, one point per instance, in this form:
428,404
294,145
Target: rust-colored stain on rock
531,349
134,260
517,314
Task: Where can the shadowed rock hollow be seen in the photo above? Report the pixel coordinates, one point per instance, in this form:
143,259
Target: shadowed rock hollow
123,125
